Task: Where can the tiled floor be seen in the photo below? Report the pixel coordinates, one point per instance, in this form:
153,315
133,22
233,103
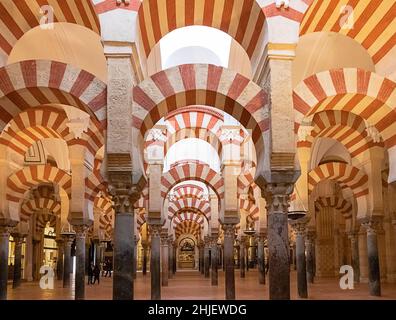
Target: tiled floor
191,285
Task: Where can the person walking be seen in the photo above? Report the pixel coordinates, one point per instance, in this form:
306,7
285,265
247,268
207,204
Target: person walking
90,273
96,274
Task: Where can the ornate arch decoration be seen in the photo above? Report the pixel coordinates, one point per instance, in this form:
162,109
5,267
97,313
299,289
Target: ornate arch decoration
24,179
43,219
346,175
352,90
18,17
191,204
347,128
180,217
198,172
189,191
343,206
94,184
373,37
40,82
357,91
244,21
201,84
28,208
39,123
188,227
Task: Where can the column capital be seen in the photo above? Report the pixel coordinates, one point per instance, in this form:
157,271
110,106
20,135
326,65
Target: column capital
372,224
81,231
229,230
311,235
5,231
299,226
155,230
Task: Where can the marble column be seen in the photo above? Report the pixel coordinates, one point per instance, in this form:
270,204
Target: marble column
79,286
18,240
353,237
309,244
124,243
67,261
4,245
134,263
206,258
277,196
242,257
155,262
214,261
144,267
261,258
170,258
247,255
174,257
201,257
164,259
299,227
372,226
229,238
59,261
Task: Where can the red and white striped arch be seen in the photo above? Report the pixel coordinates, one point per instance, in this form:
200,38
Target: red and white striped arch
188,227
28,177
373,23
104,204
188,216
40,82
189,203
39,123
361,92
197,133
201,84
243,20
343,206
346,175
43,219
188,190
19,16
94,184
38,205
347,128
194,117
193,171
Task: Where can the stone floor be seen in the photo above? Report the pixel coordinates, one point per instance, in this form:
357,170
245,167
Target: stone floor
190,285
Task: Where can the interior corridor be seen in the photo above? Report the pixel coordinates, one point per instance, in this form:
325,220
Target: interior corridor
191,285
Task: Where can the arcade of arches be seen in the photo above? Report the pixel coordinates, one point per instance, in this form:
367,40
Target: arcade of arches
262,151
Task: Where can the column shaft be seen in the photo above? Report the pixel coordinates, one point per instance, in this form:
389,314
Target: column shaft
355,256
206,260
4,244
215,262
80,262
155,262
124,243
67,262
242,258
229,235
310,257
170,259
373,264
301,266
164,261
59,261
144,267
18,262
261,260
